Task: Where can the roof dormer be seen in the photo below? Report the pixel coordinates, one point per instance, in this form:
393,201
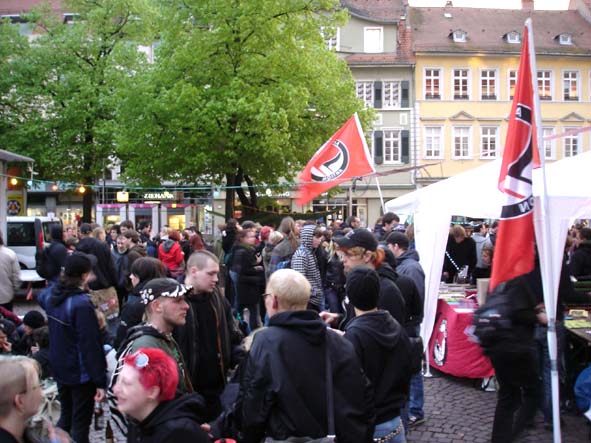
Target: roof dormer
564,39
512,37
459,36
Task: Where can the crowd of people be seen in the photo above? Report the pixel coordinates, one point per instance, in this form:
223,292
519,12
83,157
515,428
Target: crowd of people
301,330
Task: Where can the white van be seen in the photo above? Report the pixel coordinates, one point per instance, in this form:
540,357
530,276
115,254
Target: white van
26,235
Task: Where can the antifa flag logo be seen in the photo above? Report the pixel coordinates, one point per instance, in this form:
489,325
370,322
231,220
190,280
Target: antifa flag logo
518,181
335,167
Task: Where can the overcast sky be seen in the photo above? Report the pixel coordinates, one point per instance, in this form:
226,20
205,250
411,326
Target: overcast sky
499,4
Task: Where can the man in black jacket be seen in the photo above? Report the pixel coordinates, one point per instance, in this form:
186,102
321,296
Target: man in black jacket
284,389
210,338
384,350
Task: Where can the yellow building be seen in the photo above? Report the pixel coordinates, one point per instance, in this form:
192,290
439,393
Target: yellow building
466,70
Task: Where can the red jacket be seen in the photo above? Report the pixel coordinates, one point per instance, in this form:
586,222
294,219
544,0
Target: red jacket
171,255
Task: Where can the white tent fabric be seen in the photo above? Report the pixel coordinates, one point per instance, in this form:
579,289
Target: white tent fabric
475,194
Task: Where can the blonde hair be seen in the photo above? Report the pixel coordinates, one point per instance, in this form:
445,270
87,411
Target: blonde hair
275,237
458,232
14,371
291,288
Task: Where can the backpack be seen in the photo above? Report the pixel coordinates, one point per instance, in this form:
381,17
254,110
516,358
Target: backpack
44,266
492,323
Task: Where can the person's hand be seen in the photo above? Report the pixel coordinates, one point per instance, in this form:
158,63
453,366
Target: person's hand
328,317
6,346
100,395
206,427
34,349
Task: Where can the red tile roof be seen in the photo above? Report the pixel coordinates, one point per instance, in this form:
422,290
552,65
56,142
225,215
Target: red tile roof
383,11
17,7
486,27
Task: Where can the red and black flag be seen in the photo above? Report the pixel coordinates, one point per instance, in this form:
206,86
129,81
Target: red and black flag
343,157
514,249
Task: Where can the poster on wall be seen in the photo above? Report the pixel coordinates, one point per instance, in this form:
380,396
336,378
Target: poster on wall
15,204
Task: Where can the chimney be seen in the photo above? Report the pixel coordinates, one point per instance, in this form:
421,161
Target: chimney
527,5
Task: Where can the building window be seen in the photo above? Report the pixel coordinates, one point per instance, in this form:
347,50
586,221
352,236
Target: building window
459,36
432,84
365,92
331,37
545,85
461,80
549,145
565,39
391,94
512,83
433,142
462,148
373,40
489,141
488,84
570,86
392,146
571,143
513,37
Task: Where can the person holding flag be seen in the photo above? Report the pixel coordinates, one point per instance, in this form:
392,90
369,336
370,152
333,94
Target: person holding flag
515,362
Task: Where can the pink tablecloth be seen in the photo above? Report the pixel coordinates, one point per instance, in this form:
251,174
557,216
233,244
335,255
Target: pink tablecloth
450,350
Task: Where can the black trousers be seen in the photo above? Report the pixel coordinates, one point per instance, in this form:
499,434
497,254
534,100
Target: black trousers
517,377
77,407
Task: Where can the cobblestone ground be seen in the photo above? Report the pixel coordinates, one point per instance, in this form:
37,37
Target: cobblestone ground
456,412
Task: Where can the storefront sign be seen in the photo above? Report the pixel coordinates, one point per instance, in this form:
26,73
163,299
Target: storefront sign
165,195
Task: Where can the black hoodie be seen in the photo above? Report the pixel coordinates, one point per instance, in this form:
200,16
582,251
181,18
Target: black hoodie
283,388
172,421
384,351
391,299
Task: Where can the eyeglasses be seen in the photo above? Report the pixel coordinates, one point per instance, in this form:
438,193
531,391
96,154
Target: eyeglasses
266,295
140,360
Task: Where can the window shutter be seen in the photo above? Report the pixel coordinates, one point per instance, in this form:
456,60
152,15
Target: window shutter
377,94
378,147
405,146
404,94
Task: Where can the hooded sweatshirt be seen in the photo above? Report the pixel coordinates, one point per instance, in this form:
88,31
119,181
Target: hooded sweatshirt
304,261
175,421
171,254
481,241
76,349
391,299
384,351
580,265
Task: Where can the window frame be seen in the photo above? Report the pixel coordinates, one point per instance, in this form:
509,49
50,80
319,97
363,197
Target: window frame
509,72
495,85
495,138
385,104
577,82
426,136
574,137
552,143
439,79
550,87
371,88
365,40
468,80
469,154
387,161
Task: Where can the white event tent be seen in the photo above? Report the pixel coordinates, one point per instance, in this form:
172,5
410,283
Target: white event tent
475,194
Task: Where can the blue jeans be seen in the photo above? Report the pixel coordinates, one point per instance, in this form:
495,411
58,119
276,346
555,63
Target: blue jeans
254,320
333,300
416,399
385,428
544,365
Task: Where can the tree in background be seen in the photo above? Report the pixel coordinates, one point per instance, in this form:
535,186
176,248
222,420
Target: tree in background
241,93
58,92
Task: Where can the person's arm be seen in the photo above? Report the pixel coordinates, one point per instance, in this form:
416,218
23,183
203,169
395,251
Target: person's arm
90,344
15,274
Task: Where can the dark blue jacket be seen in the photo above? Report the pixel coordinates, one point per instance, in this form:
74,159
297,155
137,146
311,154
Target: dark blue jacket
75,348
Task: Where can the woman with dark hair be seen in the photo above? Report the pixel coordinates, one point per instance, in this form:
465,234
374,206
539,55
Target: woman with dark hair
250,276
142,271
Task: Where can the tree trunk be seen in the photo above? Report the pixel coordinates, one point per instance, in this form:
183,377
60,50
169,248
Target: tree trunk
87,201
230,195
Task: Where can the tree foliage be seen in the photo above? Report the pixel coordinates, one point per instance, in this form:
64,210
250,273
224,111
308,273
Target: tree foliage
242,92
60,105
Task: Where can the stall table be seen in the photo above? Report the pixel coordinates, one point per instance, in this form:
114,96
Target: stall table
451,350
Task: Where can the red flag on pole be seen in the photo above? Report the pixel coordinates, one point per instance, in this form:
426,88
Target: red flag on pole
344,156
514,249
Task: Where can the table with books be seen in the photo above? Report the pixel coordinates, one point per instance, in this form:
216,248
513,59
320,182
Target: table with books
450,347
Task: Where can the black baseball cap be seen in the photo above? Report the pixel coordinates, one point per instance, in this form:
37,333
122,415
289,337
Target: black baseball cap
79,263
358,237
398,238
162,287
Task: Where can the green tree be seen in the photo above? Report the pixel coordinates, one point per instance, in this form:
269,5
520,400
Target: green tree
60,108
241,93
